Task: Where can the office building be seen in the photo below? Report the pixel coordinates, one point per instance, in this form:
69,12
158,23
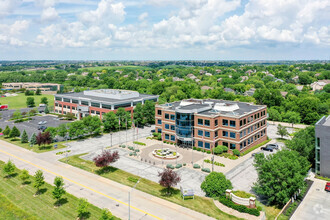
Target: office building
209,123
322,148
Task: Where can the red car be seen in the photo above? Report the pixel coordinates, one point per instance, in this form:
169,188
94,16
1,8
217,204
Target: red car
327,187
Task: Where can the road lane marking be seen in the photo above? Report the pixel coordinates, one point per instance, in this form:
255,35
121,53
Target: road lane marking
70,180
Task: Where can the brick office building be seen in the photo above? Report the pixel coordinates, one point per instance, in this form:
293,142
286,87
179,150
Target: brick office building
98,102
209,123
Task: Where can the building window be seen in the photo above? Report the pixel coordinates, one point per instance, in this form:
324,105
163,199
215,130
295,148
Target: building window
94,104
200,133
224,122
207,145
92,111
241,134
58,98
66,100
207,122
159,130
167,116
75,101
167,137
172,117
225,144
216,122
318,142
232,135
159,112
167,126
249,141
172,127
241,123
248,130
216,133
97,112
200,121
244,121
232,146
159,121
172,138
241,146
232,123
207,134
200,144
225,133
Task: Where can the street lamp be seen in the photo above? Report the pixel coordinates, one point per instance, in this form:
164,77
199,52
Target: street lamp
111,138
129,199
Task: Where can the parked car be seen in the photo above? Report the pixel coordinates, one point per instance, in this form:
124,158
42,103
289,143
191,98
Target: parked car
147,125
42,128
42,122
270,147
327,187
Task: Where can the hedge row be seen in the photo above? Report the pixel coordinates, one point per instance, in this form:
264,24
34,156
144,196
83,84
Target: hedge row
139,143
255,147
240,208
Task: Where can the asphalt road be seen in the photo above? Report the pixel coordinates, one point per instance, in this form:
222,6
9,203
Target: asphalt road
316,204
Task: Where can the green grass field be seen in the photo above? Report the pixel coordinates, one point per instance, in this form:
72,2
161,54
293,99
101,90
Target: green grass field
34,148
199,204
19,101
18,202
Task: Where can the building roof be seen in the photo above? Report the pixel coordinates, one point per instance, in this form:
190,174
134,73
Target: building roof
213,107
324,121
99,96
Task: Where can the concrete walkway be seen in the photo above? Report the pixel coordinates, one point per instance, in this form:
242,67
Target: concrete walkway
99,191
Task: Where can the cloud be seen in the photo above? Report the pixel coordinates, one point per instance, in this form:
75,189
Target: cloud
143,16
49,14
9,33
8,6
107,12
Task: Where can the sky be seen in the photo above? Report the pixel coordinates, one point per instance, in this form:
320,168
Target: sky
164,29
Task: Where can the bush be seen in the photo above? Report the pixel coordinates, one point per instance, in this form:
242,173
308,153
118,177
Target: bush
137,150
132,179
236,152
215,184
240,208
184,164
255,147
208,152
195,148
207,170
199,149
123,146
224,149
179,165
218,150
170,166
139,143
214,162
196,166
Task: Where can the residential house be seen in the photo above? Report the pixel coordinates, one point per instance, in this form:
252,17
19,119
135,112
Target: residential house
319,84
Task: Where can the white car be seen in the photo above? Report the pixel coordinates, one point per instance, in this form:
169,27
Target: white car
42,122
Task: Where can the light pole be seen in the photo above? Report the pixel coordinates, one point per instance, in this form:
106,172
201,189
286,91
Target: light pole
111,138
129,199
126,130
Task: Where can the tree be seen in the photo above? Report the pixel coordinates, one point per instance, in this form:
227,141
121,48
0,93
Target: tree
110,122
76,129
7,130
62,130
38,91
292,117
52,131
24,138
33,139
30,102
44,138
215,184
17,114
105,158
168,179
70,116
138,114
149,111
280,175
92,124
303,142
46,110
59,190
281,130
24,176
9,168
326,88
123,117
106,215
82,209
39,180
44,100
14,133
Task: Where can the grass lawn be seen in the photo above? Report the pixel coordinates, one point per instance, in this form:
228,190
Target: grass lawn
23,205
19,101
35,148
199,204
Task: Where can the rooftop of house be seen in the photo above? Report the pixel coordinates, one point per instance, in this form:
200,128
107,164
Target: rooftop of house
324,121
212,107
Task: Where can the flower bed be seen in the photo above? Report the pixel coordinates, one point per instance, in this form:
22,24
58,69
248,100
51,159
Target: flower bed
165,153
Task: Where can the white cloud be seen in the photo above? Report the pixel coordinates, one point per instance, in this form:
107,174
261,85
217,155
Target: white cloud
49,14
8,6
107,12
10,33
143,16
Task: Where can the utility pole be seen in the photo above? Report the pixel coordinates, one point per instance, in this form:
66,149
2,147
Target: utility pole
126,130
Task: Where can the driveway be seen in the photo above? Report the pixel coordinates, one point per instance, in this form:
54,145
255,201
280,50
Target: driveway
316,204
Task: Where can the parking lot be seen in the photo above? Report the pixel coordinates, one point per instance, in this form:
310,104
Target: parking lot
32,125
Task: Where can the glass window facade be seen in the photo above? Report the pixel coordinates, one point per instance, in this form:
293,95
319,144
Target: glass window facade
232,123
173,127
232,146
184,125
224,122
200,133
167,136
172,138
159,112
200,144
225,133
167,126
207,122
172,117
167,116
207,134
207,145
232,135
159,121
200,121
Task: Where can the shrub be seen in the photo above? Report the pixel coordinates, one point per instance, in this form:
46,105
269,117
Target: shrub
218,150
236,152
214,162
184,164
195,148
179,165
132,179
196,166
224,148
207,170
199,149
208,152
170,166
139,143
215,184
137,150
240,208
